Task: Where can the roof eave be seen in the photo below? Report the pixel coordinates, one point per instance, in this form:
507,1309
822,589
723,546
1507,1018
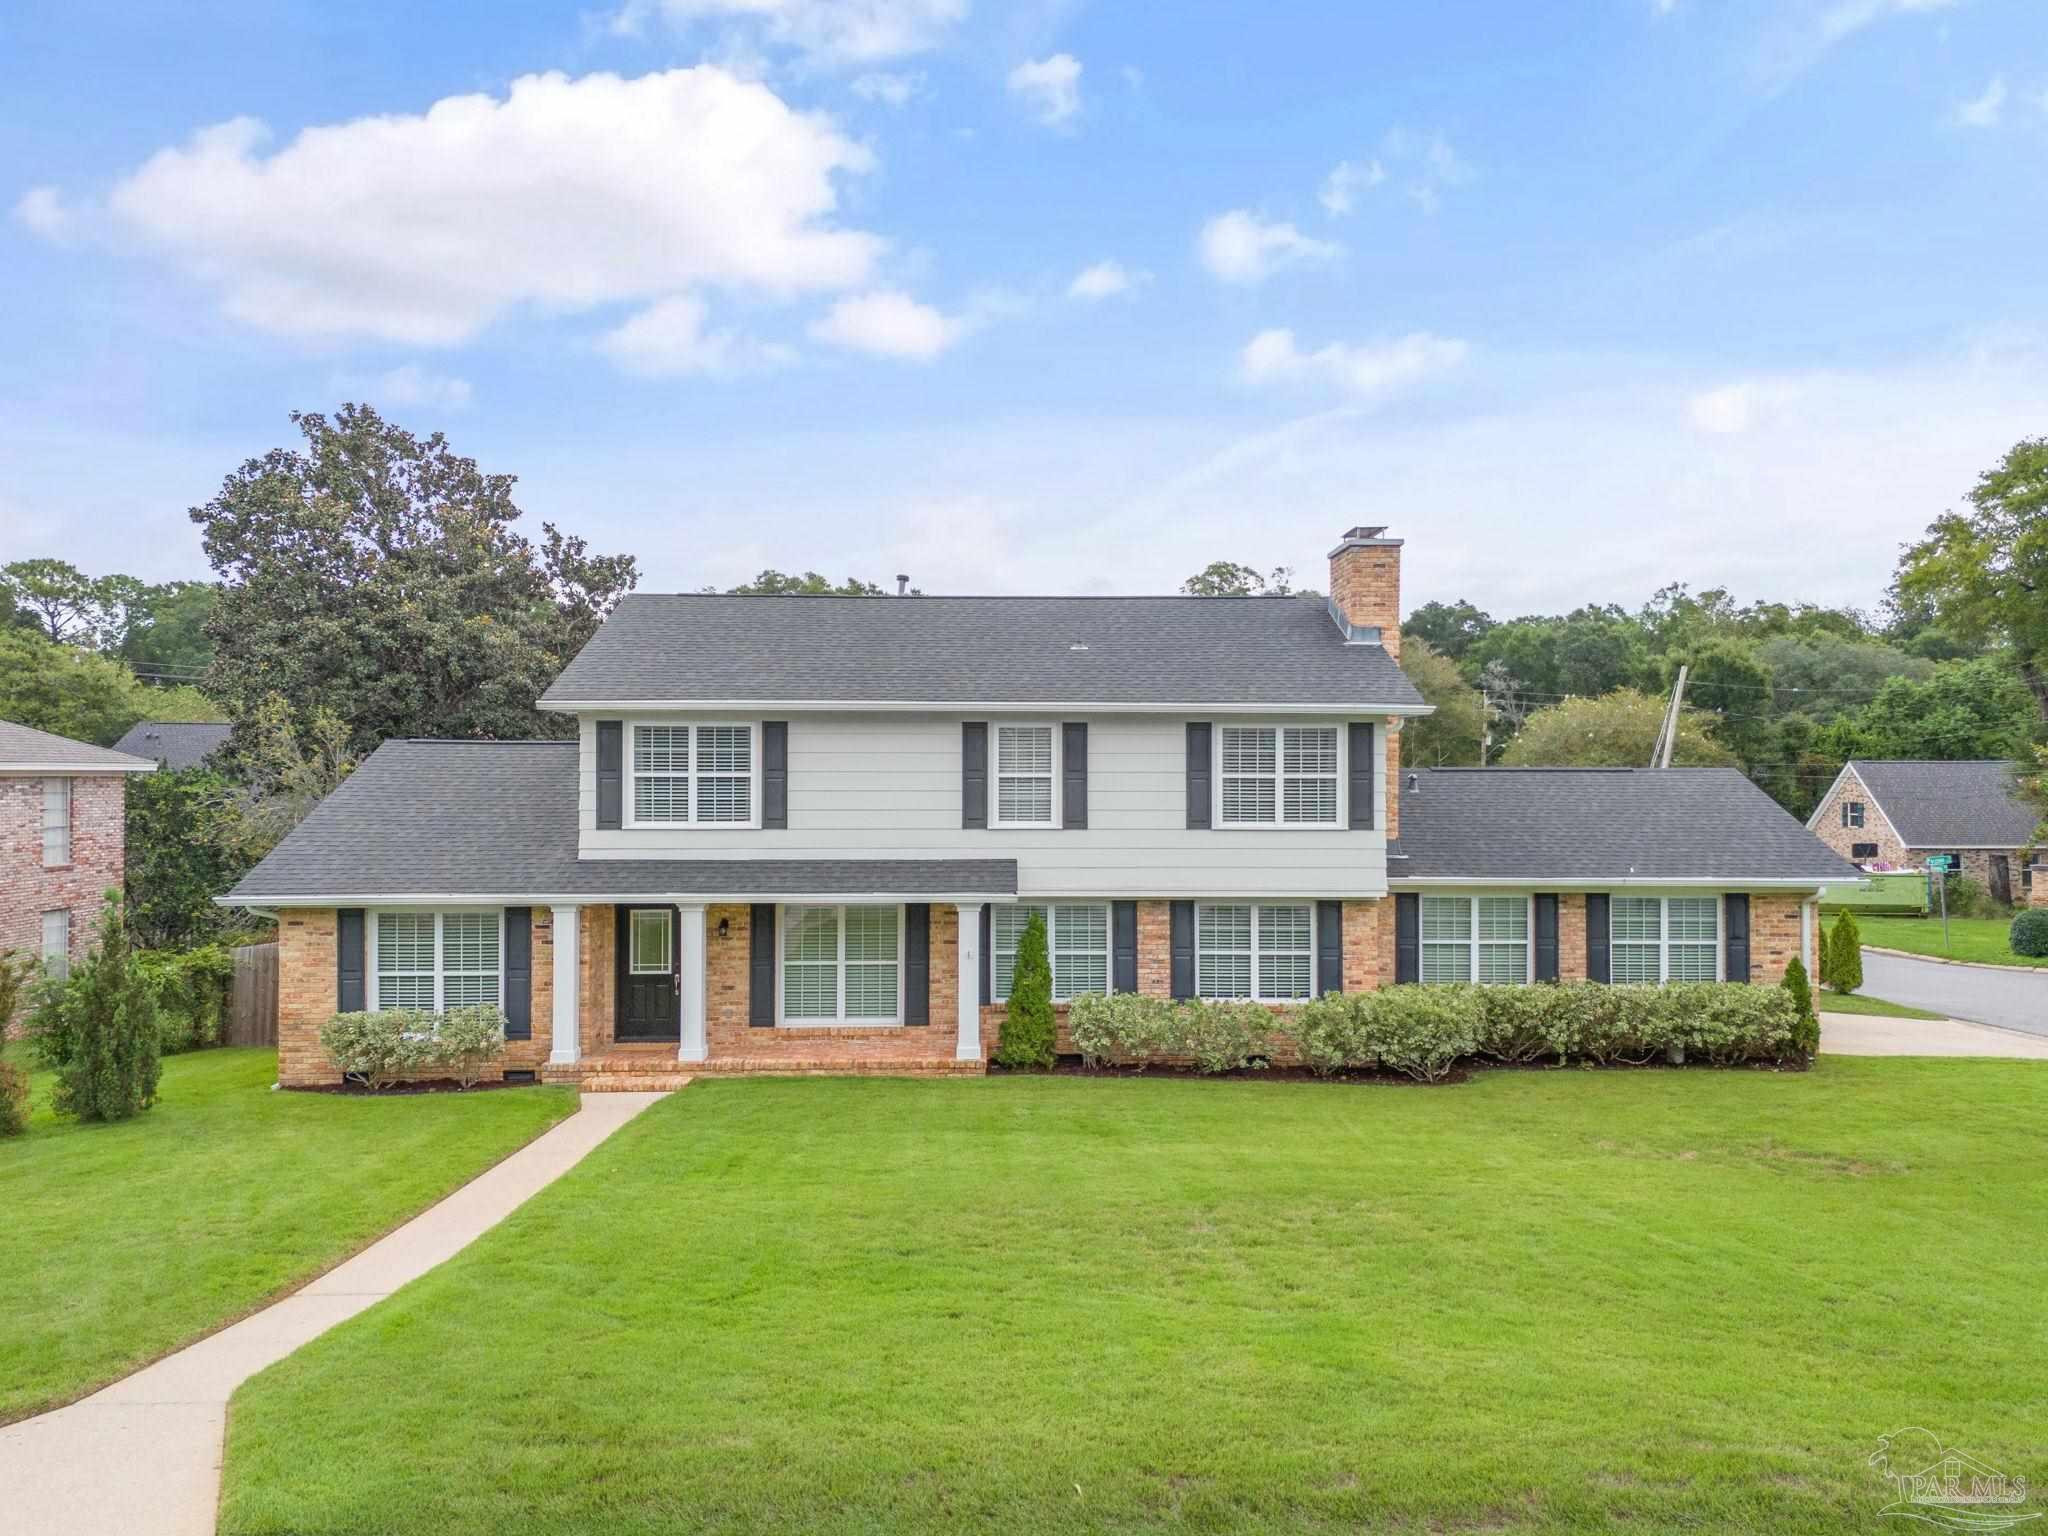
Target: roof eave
569,706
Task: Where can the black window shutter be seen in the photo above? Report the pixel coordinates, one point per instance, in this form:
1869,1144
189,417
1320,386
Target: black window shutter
988,955
1407,937
775,773
1182,945
519,973
1074,774
974,773
1737,965
1596,938
1329,947
1546,938
761,966
917,963
1123,946
611,766
348,961
1198,773
1363,808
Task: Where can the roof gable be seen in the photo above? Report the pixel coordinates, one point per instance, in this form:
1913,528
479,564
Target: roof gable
175,743
1935,804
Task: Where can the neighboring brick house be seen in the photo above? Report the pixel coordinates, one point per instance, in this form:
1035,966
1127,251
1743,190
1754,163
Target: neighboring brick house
800,834
63,807
1899,810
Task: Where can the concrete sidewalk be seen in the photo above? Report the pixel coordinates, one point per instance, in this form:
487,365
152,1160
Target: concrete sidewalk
142,1457
1860,1034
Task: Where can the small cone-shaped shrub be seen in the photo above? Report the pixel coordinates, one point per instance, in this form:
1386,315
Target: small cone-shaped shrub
1845,955
1029,1029
98,1029
1795,983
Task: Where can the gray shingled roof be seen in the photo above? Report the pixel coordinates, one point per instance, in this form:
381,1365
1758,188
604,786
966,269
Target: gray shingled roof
1937,805
493,819
1069,651
27,749
1602,824
175,743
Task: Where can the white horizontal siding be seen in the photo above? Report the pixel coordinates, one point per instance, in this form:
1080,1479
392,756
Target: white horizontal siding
867,787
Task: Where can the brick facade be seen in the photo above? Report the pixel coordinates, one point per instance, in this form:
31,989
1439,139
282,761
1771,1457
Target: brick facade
28,888
1976,863
1365,584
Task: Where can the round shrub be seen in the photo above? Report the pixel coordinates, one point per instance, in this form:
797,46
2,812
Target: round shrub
2029,933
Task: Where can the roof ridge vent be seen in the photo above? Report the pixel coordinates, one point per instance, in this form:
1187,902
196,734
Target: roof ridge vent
1354,634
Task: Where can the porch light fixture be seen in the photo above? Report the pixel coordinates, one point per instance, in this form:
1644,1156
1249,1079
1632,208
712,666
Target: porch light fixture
725,927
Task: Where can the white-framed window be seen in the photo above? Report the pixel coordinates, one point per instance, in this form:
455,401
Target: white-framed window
56,822
1076,936
841,965
1654,939
1277,775
692,775
1263,951
1852,813
436,960
1476,938
1027,786
57,944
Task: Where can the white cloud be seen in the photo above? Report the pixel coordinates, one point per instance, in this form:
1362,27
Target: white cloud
668,339
1346,180
890,324
1105,280
412,385
1740,407
1051,87
1852,16
890,88
1426,164
43,211
1983,111
825,32
1241,247
1370,372
565,194
1801,35
1663,7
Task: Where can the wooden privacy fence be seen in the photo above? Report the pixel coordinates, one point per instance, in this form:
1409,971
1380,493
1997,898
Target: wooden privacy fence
252,1001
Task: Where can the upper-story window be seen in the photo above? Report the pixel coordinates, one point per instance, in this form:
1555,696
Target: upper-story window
56,822
1277,775
693,775
1852,813
1024,776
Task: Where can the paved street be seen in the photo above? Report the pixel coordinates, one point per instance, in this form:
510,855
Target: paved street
2011,997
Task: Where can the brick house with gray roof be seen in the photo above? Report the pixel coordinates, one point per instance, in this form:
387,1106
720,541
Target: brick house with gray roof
1900,810
803,834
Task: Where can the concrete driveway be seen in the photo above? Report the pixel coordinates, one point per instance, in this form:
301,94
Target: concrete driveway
2010,996
1858,1034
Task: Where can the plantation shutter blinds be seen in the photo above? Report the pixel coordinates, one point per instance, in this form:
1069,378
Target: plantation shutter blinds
775,774
1360,770
519,973
974,773
1198,771
1597,947
611,766
1407,937
917,963
349,966
1546,938
1329,947
1736,937
1074,774
1123,923
761,966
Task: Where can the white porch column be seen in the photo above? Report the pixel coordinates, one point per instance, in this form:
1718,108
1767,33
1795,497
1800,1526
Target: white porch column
568,1022
1806,957
695,1044
969,978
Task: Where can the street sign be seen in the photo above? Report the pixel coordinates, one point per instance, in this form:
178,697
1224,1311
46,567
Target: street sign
1942,863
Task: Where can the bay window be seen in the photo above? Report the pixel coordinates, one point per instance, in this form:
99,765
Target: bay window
1264,952
434,961
1475,938
693,775
1277,775
842,965
1654,939
1076,937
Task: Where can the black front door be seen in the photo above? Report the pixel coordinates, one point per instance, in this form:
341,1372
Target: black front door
649,999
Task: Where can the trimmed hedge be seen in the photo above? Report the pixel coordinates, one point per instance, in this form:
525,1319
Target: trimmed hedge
379,1049
2029,933
1425,1031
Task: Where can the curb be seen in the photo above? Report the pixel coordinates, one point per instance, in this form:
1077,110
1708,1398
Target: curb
1969,965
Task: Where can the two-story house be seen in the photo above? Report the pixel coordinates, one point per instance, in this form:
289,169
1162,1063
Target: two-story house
805,833
63,819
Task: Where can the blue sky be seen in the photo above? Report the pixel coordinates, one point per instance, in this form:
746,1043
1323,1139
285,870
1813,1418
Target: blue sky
1047,296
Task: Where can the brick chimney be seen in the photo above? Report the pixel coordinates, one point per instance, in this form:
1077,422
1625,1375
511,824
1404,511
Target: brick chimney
1365,588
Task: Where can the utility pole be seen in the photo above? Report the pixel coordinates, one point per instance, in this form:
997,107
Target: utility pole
1667,738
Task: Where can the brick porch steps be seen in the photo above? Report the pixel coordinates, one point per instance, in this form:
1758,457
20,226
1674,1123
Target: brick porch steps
654,1068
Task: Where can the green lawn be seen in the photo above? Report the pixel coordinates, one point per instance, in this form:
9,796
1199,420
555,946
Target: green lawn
1982,939
119,1243
1856,1002
1535,1301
